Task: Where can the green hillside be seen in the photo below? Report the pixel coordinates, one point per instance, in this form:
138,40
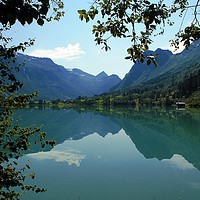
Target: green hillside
177,78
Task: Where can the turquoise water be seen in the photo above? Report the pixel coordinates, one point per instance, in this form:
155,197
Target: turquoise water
126,154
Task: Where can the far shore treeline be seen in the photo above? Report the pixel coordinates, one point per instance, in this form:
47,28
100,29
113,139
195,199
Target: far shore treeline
147,96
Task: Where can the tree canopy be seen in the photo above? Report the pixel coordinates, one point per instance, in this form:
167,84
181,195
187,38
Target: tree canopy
26,11
139,20
14,139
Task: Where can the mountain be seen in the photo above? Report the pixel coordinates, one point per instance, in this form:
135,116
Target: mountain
171,67
102,75
53,81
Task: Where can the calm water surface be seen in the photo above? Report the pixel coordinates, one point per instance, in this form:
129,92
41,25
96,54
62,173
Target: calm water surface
121,155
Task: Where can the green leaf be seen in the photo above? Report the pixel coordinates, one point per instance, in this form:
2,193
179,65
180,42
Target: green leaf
128,57
155,63
148,62
81,17
40,21
80,12
87,19
44,10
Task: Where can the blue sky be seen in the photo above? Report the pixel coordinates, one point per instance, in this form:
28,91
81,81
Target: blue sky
70,43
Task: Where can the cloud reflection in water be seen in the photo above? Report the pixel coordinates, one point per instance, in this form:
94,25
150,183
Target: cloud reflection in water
71,156
180,162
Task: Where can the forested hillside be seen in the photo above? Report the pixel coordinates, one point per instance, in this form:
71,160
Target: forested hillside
176,78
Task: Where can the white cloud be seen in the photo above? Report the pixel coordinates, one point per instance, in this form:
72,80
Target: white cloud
180,49
70,156
70,52
171,48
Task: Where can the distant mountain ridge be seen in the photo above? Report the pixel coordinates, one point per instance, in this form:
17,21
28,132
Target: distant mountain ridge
170,66
53,81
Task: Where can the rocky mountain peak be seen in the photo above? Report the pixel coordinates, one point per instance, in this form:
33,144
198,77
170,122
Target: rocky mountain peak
101,75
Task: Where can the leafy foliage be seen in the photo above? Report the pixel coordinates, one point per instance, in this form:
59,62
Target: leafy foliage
28,11
139,20
14,139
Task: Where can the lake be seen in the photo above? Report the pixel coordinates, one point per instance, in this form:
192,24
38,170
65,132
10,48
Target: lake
127,154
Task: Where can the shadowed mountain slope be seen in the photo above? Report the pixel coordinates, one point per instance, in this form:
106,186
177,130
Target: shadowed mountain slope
53,81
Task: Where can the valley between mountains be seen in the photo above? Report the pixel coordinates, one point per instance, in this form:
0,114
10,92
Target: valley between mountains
177,77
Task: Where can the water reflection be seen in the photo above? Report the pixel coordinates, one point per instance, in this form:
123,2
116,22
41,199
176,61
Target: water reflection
156,134
121,154
179,162
162,134
70,156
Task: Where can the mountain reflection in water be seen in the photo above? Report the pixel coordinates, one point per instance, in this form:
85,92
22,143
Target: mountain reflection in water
117,154
156,134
